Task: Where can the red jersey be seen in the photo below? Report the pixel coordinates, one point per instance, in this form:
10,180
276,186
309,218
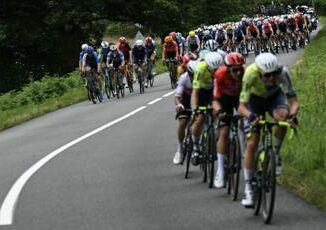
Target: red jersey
171,48
224,84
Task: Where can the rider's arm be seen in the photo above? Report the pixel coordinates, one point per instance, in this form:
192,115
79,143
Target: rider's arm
218,84
83,61
290,92
246,92
163,53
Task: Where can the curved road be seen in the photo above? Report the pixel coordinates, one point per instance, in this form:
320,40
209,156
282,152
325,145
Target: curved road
122,177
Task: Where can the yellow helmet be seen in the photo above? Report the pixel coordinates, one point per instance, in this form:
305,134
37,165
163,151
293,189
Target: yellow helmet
192,33
168,39
229,27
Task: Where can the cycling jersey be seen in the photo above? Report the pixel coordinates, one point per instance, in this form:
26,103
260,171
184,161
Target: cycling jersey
267,28
139,54
253,31
170,48
282,27
206,38
103,53
116,58
203,77
252,84
150,49
238,34
90,59
220,37
125,49
224,84
229,34
184,86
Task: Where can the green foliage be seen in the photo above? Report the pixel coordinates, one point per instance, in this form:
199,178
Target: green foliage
304,157
39,91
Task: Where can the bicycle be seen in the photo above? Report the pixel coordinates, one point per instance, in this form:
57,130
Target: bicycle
93,88
150,76
187,147
264,178
172,67
233,159
207,146
129,79
120,89
140,76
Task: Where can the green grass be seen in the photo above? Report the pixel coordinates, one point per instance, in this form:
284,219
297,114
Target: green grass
305,157
40,97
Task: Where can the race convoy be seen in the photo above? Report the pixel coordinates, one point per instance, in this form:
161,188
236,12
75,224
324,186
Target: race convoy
220,104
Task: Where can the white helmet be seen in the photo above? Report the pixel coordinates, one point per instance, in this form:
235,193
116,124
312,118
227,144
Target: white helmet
206,32
267,62
139,43
191,66
84,47
214,60
105,44
211,45
222,53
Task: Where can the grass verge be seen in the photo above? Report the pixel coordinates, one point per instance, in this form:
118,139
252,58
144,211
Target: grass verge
304,157
39,98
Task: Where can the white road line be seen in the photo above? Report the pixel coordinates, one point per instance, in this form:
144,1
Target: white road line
8,206
168,94
154,101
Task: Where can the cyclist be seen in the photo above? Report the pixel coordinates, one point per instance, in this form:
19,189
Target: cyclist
193,42
185,60
262,92
115,60
179,43
89,60
220,37
102,57
182,42
151,51
230,35
81,54
124,47
207,36
138,57
202,95
253,35
227,88
182,101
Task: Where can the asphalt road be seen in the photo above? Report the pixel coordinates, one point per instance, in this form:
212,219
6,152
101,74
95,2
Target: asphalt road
122,177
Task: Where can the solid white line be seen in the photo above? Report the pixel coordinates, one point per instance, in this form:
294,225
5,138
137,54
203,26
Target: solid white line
154,101
168,94
8,206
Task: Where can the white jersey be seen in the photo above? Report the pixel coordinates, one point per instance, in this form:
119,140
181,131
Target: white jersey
184,85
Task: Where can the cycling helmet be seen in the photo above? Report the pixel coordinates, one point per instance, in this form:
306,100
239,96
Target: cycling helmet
222,53
179,35
267,63
105,44
84,47
192,33
139,43
188,56
90,49
168,39
191,66
206,32
149,40
220,27
113,47
229,27
214,60
173,34
122,40
211,45
234,59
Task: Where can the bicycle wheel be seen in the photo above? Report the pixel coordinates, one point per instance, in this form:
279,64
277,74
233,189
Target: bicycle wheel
188,149
257,182
269,185
141,82
234,168
203,163
211,155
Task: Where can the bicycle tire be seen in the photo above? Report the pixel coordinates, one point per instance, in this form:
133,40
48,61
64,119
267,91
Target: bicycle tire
235,167
203,163
188,149
269,185
257,187
211,155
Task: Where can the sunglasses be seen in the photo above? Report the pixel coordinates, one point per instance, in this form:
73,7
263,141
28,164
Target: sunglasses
268,75
235,70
